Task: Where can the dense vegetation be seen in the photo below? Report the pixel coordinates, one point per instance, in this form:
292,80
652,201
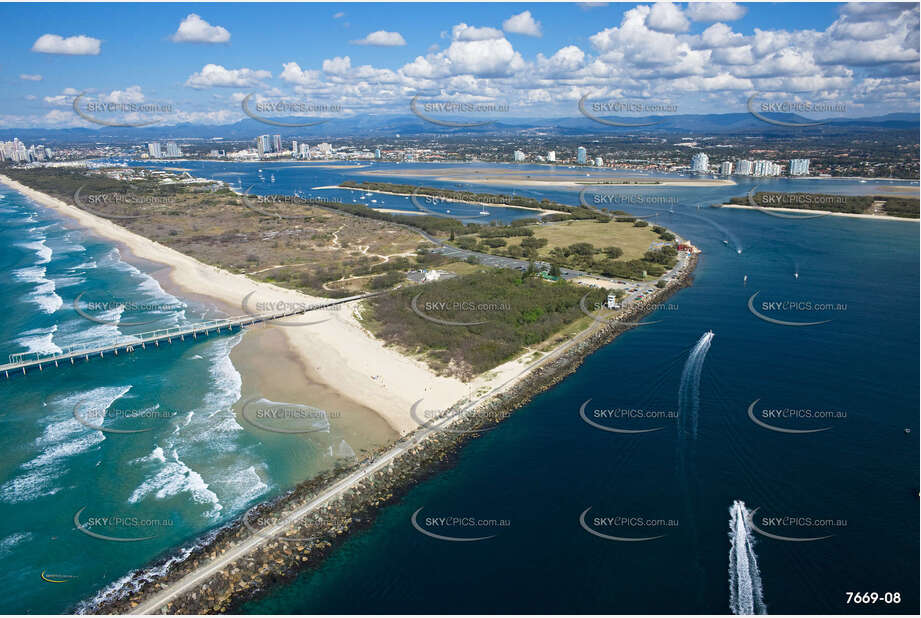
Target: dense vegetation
906,207
517,311
606,260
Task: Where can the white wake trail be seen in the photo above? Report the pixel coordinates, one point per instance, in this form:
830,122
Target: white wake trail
689,388
746,596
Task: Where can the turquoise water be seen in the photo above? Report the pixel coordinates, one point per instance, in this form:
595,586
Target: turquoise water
539,470
192,468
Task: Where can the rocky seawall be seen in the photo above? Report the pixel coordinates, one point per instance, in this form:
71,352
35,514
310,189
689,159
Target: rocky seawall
306,543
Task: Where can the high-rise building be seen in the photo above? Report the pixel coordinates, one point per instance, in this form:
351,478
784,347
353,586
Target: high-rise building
551,155
765,168
599,162
377,153
294,148
726,168
744,167
15,151
581,156
518,156
799,167
325,149
153,149
172,150
305,150
263,145
276,143
700,163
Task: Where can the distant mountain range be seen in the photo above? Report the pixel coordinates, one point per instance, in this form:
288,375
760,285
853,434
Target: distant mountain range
408,125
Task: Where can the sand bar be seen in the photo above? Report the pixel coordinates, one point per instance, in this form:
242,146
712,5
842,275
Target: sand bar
803,211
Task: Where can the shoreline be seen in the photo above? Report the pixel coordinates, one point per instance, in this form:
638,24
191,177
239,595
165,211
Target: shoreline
519,376
241,563
505,178
339,350
854,215
542,211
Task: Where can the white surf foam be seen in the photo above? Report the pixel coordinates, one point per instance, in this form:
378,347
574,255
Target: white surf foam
39,340
173,477
7,544
131,582
43,294
62,438
43,251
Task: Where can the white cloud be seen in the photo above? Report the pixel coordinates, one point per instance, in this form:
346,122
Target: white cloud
463,32
667,17
80,45
337,65
338,15
65,98
566,60
635,48
293,74
715,11
522,23
132,94
720,35
491,57
30,78
194,29
723,81
214,75
733,55
382,38
865,11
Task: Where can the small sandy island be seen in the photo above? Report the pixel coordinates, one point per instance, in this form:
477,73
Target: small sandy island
803,211
541,211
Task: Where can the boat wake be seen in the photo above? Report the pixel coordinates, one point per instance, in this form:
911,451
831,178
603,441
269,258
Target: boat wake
689,387
745,592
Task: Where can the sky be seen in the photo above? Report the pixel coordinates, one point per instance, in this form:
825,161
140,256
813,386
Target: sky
197,61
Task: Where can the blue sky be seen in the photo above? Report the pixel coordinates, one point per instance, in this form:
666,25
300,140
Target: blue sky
864,56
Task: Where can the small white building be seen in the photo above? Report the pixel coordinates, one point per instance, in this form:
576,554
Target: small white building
612,302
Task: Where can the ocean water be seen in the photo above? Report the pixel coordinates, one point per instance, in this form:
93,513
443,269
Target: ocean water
541,469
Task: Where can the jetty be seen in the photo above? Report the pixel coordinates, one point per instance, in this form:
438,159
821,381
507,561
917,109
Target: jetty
23,362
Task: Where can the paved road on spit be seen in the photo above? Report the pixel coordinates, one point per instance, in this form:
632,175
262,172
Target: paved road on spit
154,604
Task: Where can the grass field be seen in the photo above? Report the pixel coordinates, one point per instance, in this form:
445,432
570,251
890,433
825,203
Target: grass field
634,241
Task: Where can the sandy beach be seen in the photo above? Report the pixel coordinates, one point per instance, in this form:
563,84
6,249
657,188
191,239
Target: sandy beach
803,211
333,349
339,352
